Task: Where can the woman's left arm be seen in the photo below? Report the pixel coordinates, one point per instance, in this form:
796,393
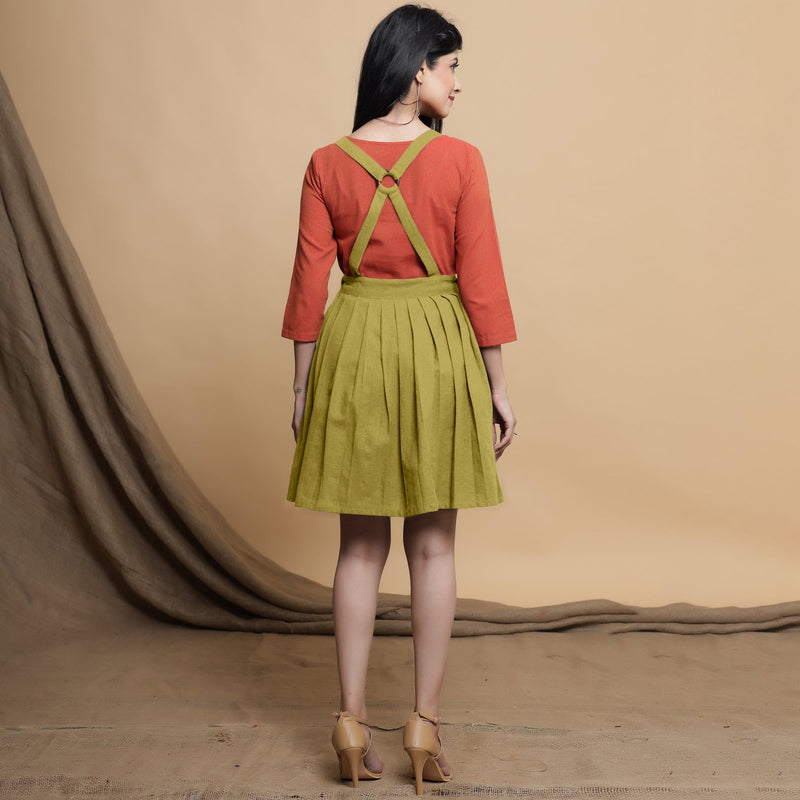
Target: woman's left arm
482,287
503,414
481,282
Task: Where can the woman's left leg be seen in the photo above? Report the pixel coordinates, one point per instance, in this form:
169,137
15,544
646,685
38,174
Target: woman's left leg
429,541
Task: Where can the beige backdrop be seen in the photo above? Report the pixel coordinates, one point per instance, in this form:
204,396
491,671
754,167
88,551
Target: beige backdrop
645,170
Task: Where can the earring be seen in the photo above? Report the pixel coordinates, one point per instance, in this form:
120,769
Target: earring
416,106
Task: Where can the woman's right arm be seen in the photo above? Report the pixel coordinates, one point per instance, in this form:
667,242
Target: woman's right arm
308,291
303,353
314,257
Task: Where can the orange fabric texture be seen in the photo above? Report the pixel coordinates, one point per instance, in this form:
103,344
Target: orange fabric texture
447,192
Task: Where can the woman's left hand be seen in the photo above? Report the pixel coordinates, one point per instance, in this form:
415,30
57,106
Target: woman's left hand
504,419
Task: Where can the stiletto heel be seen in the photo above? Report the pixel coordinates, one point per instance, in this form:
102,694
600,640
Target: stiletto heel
418,759
351,759
351,745
424,748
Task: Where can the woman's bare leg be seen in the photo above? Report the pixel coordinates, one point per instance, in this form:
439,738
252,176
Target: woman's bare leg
429,541
363,548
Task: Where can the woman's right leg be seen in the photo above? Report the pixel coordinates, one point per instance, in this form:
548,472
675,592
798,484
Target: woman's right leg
363,549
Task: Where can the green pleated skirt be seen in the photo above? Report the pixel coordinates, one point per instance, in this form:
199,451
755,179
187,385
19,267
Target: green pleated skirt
398,417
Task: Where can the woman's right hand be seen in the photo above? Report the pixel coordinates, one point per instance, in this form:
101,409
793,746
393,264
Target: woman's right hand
504,419
299,408
303,355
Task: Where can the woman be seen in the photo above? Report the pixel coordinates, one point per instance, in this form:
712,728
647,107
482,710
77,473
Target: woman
396,392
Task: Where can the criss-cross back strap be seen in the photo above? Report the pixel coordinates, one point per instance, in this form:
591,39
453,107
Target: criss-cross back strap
392,191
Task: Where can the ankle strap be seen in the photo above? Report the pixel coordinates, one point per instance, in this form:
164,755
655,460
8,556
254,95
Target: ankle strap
434,720
352,716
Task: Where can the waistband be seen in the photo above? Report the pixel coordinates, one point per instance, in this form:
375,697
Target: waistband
399,287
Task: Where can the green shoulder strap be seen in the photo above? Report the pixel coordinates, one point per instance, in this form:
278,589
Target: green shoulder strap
393,193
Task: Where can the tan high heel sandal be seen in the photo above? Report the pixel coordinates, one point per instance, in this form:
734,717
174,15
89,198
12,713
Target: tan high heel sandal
420,742
351,745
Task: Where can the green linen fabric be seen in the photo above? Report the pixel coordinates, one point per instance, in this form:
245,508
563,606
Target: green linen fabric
398,418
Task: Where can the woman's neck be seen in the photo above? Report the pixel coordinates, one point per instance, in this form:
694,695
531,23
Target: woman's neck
387,130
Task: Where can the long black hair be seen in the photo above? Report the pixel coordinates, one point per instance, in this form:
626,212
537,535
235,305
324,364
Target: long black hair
399,45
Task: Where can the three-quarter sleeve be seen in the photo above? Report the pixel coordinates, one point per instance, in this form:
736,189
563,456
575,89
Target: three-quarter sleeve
481,281
314,257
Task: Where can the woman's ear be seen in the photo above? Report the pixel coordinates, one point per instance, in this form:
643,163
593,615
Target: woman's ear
420,76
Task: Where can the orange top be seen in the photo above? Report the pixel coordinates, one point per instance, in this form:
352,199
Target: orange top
447,192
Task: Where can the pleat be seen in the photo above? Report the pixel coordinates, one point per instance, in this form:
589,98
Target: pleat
425,366
463,479
347,389
398,417
368,460
392,486
443,404
472,411
410,455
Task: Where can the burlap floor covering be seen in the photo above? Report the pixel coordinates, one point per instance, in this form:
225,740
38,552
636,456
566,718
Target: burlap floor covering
162,711
143,653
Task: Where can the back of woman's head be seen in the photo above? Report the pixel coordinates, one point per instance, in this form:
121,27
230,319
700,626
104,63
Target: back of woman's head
399,45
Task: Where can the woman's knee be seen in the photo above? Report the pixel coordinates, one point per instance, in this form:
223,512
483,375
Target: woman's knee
364,538
429,547
430,536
